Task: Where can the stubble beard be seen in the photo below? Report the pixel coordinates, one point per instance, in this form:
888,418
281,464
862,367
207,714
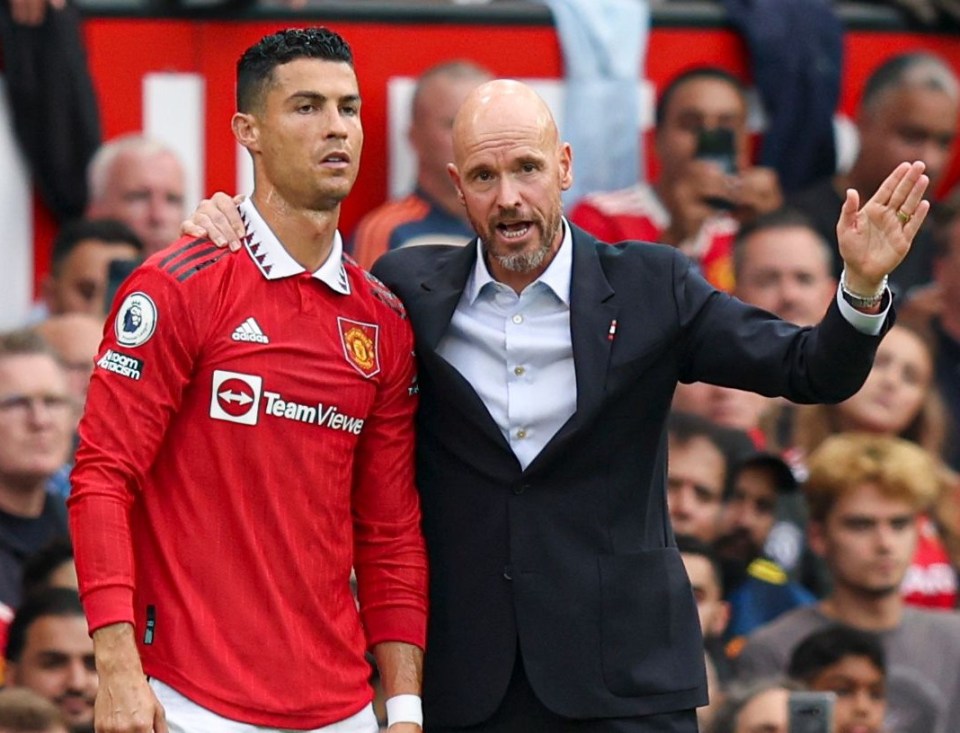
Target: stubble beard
527,260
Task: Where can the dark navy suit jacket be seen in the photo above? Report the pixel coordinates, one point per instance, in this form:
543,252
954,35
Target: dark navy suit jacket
573,561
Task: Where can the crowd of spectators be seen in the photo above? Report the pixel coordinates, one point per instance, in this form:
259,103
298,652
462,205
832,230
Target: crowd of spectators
822,542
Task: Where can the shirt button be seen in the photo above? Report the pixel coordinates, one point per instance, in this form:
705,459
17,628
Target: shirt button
519,371
521,434
517,319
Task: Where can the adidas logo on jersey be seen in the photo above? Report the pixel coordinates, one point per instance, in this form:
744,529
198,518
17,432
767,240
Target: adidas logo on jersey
249,330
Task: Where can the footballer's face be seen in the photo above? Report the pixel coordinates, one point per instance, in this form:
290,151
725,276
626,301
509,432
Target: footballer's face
305,133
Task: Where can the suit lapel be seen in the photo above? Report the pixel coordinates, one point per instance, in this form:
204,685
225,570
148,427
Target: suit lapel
593,313
440,292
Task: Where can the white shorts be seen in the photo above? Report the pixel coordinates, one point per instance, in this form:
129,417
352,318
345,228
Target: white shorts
185,716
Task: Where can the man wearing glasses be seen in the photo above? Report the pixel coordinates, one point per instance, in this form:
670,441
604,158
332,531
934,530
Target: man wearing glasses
35,430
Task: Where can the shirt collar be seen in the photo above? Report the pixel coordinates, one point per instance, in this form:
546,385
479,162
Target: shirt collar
556,276
273,260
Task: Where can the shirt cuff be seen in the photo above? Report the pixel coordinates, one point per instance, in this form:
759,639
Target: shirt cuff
866,323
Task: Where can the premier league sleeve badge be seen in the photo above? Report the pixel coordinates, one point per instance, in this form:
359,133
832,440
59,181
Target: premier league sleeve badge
136,320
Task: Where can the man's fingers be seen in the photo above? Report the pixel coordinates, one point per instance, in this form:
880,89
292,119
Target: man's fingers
849,211
885,193
904,184
226,216
912,201
911,228
160,720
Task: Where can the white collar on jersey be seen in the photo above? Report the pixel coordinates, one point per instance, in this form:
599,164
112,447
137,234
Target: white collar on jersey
274,262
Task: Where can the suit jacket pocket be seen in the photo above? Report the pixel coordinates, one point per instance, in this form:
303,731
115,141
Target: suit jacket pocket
650,631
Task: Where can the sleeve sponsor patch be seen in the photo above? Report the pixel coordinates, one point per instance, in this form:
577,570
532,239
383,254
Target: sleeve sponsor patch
122,364
136,320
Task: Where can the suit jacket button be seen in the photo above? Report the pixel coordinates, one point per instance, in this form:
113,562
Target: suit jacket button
508,572
520,488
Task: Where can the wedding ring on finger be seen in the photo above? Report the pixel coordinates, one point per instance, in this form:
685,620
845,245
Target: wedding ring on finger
904,217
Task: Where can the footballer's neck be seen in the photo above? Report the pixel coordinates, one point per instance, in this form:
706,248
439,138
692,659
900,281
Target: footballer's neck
306,233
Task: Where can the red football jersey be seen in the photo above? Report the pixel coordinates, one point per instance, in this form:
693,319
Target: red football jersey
636,213
247,440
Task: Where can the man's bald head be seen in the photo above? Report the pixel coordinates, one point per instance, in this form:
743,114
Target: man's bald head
502,108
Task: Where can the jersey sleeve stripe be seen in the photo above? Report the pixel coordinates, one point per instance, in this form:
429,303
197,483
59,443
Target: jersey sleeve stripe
181,251
187,274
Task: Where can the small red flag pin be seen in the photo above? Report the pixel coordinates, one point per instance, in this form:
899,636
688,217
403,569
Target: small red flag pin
613,330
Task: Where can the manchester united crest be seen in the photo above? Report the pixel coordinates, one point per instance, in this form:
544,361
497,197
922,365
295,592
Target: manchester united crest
360,345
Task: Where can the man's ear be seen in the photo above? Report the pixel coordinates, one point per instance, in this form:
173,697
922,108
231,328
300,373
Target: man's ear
246,131
566,166
454,173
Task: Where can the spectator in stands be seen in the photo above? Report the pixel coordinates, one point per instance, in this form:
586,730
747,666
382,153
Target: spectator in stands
82,253
908,111
74,338
780,264
24,711
696,475
52,566
939,305
865,493
783,265
694,204
140,182
757,588
50,652
35,420
760,707
851,664
432,214
706,578
899,398
731,408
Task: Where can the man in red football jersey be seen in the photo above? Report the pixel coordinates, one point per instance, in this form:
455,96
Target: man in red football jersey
241,453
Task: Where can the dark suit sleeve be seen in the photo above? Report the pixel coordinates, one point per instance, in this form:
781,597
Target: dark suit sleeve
729,343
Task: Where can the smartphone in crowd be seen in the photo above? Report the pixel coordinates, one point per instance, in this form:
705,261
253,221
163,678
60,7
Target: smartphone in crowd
811,712
718,145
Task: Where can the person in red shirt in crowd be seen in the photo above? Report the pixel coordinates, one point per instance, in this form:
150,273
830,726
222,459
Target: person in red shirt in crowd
695,204
248,440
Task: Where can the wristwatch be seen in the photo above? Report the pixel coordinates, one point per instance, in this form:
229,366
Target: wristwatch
858,300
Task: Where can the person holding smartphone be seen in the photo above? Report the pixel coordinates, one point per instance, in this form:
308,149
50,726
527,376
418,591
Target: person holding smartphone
706,189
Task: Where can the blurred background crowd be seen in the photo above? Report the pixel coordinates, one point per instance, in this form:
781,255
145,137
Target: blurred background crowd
822,542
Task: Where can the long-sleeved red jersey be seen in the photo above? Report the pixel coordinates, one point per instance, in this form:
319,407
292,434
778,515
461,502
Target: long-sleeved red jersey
248,438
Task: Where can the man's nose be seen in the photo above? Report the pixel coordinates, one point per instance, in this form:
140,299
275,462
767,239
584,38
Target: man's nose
508,193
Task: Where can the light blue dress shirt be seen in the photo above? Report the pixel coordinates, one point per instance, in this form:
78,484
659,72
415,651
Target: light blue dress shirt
515,351
517,354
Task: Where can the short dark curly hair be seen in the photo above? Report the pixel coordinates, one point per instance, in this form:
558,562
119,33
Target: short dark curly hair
255,67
